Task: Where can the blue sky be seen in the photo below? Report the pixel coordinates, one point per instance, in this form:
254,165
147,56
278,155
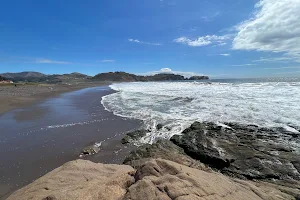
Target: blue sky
234,38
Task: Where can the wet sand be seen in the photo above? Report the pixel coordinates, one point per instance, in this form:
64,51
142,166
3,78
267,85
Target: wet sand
12,97
37,139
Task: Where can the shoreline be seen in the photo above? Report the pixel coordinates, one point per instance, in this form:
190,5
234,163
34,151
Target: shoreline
182,167
29,94
49,132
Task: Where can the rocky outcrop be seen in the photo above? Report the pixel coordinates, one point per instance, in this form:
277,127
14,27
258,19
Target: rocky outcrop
251,162
244,151
153,179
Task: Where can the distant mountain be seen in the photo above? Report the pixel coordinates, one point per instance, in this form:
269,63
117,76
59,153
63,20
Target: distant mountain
72,76
39,77
126,77
23,75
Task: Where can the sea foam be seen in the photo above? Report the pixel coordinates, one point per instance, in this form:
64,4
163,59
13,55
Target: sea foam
178,104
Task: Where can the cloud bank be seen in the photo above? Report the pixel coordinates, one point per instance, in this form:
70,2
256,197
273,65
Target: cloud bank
275,27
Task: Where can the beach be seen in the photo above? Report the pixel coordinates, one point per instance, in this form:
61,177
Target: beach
47,132
14,96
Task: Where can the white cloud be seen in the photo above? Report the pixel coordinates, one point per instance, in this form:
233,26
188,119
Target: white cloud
170,71
166,70
224,54
243,65
142,42
275,27
203,40
107,61
47,61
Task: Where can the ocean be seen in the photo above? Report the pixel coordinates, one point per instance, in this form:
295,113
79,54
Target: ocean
269,102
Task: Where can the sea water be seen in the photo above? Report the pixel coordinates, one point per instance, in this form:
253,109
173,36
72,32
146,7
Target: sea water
176,105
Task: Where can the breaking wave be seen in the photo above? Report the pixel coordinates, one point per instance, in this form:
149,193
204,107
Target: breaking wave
178,104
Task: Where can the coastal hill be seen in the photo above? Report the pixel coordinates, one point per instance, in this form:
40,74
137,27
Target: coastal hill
24,75
39,77
123,76
109,76
2,78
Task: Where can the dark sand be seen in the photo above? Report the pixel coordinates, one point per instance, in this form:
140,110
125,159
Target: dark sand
39,138
12,97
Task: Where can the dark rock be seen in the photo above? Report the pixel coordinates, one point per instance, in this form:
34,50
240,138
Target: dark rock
90,150
159,127
198,146
199,78
134,136
244,151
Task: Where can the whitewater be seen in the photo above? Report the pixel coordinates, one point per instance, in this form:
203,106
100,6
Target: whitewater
176,105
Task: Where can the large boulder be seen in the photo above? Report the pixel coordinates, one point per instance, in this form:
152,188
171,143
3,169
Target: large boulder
79,179
134,136
196,144
90,150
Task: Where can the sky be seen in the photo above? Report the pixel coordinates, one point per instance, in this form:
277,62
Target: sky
222,39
